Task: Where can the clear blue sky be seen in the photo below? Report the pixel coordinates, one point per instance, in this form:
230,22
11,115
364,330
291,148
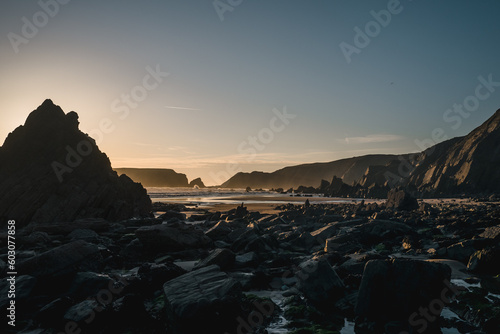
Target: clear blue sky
226,77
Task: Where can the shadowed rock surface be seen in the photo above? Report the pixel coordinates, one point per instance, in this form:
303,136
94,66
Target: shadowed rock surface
466,164
393,290
51,171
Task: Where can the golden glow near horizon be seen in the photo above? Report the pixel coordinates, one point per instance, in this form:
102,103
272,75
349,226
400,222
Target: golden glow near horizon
214,111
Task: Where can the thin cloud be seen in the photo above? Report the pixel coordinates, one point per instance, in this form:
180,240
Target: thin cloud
183,108
379,138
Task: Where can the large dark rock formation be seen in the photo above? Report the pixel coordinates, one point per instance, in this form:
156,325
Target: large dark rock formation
50,171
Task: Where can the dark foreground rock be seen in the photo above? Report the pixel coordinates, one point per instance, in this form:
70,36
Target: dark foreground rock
396,291
51,171
202,299
63,261
171,237
322,264
319,282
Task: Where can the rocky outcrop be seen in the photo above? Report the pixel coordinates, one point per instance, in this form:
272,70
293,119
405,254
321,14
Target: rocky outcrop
155,177
197,182
51,171
399,199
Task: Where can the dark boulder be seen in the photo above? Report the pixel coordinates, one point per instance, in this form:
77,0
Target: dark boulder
205,300
222,257
64,260
171,238
319,282
397,290
399,199
219,231
485,261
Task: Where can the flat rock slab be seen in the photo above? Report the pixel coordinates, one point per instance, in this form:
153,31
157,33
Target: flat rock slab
70,258
204,297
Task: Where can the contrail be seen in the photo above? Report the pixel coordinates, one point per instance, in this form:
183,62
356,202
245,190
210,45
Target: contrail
182,108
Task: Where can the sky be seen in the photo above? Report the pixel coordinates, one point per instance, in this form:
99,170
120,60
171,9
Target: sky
211,88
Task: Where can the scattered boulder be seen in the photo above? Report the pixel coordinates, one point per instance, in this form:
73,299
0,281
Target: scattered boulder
93,224
485,261
395,290
222,257
86,284
166,238
249,259
319,282
461,251
399,199
83,311
203,299
173,215
219,231
153,276
64,260
324,233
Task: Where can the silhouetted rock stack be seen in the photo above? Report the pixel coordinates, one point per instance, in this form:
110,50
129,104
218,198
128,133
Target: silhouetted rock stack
197,182
50,171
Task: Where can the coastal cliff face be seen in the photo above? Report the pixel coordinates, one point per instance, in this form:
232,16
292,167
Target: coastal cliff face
155,177
467,164
461,165
351,170
51,171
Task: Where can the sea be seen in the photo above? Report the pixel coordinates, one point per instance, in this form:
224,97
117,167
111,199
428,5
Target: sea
211,196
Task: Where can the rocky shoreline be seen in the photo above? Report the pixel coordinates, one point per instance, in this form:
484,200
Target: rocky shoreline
387,268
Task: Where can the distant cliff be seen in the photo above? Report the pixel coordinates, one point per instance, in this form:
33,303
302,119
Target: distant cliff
155,177
350,170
